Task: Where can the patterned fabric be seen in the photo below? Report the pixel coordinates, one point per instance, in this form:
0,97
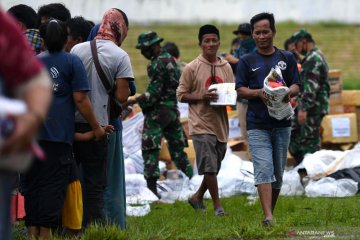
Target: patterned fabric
158,123
305,138
315,89
162,117
314,99
33,37
164,77
113,27
17,61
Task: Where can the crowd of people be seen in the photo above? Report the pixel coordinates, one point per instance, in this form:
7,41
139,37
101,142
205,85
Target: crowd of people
70,72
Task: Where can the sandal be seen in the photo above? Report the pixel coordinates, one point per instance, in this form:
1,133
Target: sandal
219,212
197,205
267,223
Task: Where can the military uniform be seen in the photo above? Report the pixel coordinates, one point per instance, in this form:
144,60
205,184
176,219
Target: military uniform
314,99
162,117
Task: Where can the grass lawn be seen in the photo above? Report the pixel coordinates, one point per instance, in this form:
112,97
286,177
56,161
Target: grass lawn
339,42
300,217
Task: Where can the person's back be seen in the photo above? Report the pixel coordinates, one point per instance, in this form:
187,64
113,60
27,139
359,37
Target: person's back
61,67
53,10
46,181
115,63
28,20
26,16
110,58
78,31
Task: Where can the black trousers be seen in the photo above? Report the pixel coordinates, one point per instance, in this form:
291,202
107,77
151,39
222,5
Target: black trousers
91,156
45,185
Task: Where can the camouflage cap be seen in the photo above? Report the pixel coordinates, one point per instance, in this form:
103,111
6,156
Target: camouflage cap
302,33
147,39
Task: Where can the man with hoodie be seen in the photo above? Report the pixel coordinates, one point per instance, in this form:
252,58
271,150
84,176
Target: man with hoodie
159,106
208,124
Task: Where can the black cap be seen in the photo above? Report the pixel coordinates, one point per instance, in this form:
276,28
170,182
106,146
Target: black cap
208,29
243,28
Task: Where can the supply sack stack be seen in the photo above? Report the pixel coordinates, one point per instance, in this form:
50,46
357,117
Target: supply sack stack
275,90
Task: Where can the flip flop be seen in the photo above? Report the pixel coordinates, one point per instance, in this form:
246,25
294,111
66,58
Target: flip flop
219,212
267,223
197,205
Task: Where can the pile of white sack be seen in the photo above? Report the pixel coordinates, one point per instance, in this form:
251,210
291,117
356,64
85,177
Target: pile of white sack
236,175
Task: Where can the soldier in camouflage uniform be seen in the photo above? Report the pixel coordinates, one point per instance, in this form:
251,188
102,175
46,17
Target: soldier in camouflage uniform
159,106
313,100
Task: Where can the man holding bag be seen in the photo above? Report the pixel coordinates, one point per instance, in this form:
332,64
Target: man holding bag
268,137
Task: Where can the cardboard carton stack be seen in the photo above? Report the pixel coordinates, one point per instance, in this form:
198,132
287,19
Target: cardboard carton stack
341,125
335,104
351,102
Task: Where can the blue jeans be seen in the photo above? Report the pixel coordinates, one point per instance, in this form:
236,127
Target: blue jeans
6,185
269,154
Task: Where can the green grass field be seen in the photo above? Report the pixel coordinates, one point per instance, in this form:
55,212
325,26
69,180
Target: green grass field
300,217
339,42
305,218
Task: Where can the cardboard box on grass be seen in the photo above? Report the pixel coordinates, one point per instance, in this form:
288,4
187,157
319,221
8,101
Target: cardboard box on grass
335,81
351,97
340,128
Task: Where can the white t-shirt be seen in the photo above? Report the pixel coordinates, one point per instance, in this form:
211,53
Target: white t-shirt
115,63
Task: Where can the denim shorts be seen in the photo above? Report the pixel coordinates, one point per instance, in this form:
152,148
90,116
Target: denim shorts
269,154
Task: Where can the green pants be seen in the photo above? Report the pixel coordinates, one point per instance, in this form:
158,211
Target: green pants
163,122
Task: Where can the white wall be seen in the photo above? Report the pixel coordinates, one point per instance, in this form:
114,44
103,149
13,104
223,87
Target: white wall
189,11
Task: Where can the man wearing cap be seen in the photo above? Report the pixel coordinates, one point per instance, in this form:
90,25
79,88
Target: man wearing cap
208,124
159,106
247,45
313,100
